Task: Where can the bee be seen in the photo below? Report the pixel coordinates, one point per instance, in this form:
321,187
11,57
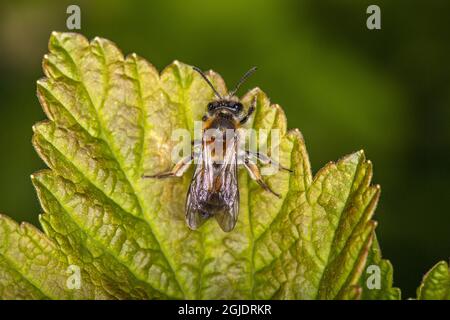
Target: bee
214,189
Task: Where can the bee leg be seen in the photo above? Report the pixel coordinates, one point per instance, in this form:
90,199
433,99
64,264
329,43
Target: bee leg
177,171
265,159
250,112
255,174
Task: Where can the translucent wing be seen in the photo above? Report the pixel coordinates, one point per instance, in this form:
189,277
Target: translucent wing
229,191
214,189
195,215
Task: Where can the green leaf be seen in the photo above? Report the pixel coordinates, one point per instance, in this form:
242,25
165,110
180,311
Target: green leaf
110,121
33,267
29,262
436,283
376,266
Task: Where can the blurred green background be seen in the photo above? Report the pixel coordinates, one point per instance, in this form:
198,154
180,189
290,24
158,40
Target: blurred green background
345,87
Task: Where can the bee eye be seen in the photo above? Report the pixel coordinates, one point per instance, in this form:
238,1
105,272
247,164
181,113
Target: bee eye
210,106
238,107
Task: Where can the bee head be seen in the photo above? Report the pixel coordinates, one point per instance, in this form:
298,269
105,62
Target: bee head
226,105
229,106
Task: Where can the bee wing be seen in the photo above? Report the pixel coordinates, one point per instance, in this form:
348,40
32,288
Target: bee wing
214,184
229,190
227,218
198,189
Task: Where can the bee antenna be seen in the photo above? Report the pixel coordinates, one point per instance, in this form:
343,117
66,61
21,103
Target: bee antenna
207,81
244,77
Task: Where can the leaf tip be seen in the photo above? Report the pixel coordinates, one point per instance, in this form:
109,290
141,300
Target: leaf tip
176,62
296,132
40,81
